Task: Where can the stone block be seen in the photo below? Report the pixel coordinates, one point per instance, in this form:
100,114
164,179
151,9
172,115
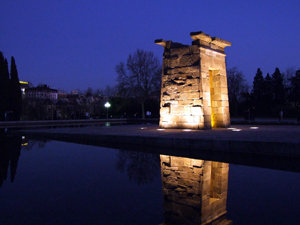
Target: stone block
189,60
198,102
224,97
196,110
164,110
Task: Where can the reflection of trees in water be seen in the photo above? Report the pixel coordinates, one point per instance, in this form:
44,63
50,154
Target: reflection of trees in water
140,167
10,148
28,145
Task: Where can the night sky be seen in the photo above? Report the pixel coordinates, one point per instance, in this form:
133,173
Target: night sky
75,44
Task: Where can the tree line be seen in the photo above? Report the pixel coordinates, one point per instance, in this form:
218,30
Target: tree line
140,78
269,96
10,91
139,83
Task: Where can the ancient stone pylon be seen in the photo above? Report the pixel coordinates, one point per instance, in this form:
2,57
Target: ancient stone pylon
194,84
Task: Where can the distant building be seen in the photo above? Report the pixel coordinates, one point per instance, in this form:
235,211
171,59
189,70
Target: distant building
61,94
42,92
75,92
24,85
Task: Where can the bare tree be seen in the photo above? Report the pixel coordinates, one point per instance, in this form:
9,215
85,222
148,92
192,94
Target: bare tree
140,77
236,83
89,92
109,91
287,75
237,86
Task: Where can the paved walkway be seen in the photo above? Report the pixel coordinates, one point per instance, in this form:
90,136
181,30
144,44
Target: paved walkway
283,134
221,139
265,121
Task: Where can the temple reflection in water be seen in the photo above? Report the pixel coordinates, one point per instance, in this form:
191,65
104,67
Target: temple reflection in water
195,191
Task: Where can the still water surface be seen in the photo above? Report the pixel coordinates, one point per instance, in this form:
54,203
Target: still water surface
50,182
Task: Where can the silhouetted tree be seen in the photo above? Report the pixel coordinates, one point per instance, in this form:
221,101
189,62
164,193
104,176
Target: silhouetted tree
287,75
4,87
295,89
257,91
15,89
267,100
140,77
89,92
237,87
278,90
109,91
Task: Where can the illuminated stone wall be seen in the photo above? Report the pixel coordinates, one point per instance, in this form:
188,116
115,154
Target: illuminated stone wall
194,85
195,191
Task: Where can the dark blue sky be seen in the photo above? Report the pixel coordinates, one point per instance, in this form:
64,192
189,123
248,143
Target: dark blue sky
76,44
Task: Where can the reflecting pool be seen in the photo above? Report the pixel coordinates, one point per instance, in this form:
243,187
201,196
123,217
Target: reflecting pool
51,182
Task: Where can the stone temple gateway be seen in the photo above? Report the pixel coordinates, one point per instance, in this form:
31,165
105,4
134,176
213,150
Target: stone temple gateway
194,90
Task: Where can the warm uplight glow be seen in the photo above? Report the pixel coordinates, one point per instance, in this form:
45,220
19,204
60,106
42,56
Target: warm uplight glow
212,116
23,82
107,105
193,121
254,128
236,129
233,129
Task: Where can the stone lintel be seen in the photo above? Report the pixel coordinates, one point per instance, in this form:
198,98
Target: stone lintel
220,42
161,42
200,35
216,50
215,43
169,44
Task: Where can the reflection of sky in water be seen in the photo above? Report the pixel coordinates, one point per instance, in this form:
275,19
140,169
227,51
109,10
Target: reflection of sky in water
64,183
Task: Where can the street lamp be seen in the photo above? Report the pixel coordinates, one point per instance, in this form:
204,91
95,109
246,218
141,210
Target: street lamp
107,105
